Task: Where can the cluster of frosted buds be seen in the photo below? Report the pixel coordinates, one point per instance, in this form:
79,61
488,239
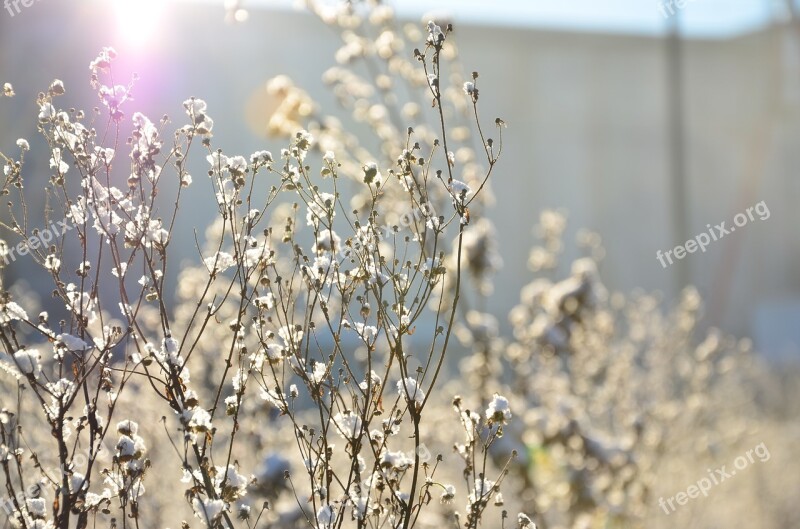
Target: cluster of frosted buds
302,144
498,411
326,517
460,192
103,60
131,449
130,461
28,362
470,89
229,485
392,468
524,521
372,175
479,497
201,122
146,145
409,390
111,96
195,419
33,514
448,495
435,34
170,359
208,511
348,425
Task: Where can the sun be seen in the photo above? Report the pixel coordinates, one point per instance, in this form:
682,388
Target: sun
138,21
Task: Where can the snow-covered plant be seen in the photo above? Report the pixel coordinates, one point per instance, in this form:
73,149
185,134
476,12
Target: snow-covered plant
324,307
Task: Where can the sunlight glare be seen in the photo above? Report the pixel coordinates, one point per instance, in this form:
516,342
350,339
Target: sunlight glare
138,21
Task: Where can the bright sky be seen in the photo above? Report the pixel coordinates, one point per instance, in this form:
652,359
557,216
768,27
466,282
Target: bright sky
705,18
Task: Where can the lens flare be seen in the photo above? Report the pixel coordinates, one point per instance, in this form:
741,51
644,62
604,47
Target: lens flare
138,21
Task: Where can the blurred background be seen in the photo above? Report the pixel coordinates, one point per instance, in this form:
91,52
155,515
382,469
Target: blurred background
645,121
